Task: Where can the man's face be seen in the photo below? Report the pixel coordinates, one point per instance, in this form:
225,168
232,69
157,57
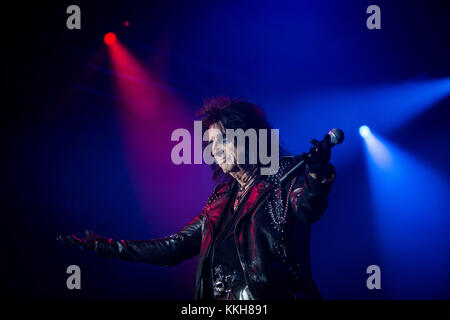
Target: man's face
223,151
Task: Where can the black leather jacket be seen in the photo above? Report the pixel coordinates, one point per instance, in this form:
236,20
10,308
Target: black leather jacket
272,235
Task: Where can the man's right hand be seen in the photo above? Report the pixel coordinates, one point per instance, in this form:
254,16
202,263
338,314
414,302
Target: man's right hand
86,243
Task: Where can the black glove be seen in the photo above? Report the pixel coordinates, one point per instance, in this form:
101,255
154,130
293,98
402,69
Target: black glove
317,160
86,243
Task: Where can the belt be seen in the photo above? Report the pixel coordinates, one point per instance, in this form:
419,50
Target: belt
223,283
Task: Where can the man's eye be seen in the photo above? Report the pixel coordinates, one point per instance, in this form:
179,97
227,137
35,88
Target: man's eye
225,140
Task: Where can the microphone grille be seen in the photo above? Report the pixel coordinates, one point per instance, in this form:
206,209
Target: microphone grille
336,136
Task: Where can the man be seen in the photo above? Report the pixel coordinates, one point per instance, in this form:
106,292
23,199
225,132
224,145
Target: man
253,235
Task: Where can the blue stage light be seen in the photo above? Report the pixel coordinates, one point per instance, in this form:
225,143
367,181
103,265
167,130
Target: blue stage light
364,131
408,216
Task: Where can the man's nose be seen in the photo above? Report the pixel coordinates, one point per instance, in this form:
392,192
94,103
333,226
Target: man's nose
217,150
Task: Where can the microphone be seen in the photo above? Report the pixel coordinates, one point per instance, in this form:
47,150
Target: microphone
332,138
321,149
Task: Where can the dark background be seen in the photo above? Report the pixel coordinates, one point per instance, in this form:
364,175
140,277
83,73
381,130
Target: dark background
72,159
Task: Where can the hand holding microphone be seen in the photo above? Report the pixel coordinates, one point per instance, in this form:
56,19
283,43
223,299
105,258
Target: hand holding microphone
318,157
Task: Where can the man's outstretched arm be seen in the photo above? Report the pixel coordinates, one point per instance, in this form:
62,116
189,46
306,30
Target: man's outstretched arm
166,251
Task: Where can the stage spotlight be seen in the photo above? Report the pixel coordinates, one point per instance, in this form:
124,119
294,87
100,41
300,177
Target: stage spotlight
110,38
364,131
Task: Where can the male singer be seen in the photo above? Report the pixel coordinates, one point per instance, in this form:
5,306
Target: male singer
253,236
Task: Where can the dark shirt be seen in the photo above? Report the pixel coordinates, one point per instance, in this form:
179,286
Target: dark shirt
224,252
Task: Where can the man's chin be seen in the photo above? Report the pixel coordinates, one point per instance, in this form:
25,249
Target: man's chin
226,168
